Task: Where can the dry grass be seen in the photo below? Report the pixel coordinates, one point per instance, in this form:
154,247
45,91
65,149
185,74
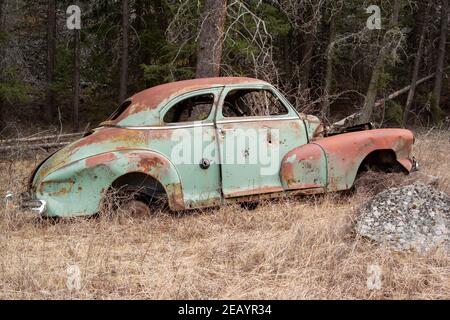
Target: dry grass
289,249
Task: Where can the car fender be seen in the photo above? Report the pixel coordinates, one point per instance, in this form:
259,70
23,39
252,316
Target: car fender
77,188
345,152
304,167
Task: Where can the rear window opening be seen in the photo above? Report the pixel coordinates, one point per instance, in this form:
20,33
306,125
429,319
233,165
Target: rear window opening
120,110
196,108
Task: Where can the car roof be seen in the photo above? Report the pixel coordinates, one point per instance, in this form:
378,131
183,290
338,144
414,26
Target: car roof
152,97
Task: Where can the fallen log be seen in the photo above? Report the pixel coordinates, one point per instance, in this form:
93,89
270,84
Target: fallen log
352,119
35,146
402,91
56,137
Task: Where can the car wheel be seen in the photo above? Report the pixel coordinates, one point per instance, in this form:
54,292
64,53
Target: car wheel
127,200
136,208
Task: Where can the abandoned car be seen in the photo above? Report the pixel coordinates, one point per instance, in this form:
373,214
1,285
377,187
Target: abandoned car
205,142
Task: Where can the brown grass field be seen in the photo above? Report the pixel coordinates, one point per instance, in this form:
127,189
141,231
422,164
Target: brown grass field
294,248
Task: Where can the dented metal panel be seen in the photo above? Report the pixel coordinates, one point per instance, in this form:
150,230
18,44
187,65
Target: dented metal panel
304,167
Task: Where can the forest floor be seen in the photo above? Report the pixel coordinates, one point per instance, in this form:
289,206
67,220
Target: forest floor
294,248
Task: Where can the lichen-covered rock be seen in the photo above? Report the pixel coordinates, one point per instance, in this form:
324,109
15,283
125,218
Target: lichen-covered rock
415,216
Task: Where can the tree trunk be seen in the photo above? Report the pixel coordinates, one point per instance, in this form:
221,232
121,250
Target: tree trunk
76,81
286,47
307,60
415,73
209,47
367,109
51,59
2,2
329,71
124,55
436,110
161,17
140,15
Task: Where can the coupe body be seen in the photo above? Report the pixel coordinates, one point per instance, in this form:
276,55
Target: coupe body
206,142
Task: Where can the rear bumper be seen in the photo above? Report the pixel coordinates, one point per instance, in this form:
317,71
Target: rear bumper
35,205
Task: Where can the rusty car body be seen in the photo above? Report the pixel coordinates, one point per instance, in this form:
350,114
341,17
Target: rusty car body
135,148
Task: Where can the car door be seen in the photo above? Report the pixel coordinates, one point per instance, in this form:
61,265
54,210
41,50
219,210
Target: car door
191,145
255,127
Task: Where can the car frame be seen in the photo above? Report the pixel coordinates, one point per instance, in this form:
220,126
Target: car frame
133,151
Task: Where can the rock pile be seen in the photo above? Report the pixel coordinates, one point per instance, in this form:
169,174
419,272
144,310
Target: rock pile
415,216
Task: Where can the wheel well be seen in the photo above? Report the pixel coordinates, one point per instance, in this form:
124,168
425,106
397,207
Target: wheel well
142,186
381,160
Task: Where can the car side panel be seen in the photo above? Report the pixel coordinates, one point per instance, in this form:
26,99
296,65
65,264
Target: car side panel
304,167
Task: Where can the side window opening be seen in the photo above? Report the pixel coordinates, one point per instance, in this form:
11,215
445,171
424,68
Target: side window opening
195,108
252,103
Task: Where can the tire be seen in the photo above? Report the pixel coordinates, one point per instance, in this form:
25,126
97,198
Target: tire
126,200
136,208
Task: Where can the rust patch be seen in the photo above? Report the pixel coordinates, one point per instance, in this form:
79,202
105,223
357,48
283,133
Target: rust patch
346,151
305,154
255,191
100,159
406,163
353,145
159,134
152,164
109,135
61,192
175,193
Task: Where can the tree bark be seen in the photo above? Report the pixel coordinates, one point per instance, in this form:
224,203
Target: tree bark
286,52
415,73
2,2
209,47
403,90
76,81
436,110
124,55
51,59
371,95
161,17
306,62
329,71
